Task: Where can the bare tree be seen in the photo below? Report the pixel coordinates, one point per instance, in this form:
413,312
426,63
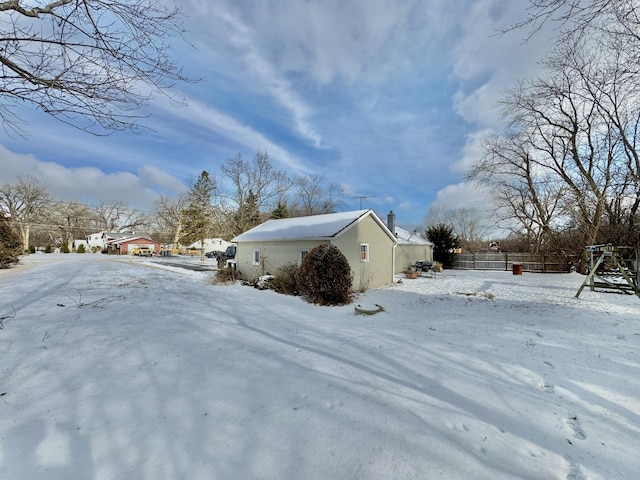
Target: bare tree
257,179
89,63
528,198
472,226
168,214
579,18
72,219
116,217
25,202
598,46
314,197
561,135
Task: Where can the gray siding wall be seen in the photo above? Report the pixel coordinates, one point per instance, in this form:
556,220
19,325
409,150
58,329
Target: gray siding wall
408,255
378,270
273,254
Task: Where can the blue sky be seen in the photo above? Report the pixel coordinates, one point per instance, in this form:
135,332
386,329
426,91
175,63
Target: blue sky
388,98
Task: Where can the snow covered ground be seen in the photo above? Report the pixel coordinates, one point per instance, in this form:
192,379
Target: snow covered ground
114,368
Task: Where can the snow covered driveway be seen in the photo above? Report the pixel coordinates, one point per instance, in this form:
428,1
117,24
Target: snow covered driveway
116,368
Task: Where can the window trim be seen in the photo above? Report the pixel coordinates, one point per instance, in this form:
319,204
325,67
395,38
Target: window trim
364,249
256,256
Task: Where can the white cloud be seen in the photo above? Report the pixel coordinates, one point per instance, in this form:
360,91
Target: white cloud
243,42
90,184
463,195
214,120
471,152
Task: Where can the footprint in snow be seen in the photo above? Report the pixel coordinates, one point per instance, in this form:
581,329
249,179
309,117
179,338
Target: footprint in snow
574,424
575,473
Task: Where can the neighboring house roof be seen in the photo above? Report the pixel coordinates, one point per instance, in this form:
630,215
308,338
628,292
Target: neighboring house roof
315,227
131,239
112,235
406,238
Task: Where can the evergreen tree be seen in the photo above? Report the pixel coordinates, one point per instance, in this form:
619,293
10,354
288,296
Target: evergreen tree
198,216
248,215
281,211
10,243
444,243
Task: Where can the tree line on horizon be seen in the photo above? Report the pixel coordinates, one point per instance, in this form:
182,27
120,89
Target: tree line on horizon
241,195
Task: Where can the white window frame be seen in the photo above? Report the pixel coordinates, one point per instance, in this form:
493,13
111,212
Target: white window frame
256,256
364,248
301,254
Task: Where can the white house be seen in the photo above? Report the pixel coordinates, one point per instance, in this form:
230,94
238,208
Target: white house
100,240
210,244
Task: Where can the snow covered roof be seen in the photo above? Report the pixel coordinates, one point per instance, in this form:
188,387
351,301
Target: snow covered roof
130,239
405,238
314,227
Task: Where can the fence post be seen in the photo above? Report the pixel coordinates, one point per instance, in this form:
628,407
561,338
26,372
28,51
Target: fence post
506,262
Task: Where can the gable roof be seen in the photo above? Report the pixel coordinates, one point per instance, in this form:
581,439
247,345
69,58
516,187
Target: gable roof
405,238
131,239
315,227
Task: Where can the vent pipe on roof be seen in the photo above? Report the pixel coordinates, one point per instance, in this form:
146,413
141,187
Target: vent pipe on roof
391,222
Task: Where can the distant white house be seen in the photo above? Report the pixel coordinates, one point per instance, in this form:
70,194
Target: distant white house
100,240
360,235
210,244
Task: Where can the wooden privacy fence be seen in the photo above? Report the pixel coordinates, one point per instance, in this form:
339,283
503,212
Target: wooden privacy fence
531,262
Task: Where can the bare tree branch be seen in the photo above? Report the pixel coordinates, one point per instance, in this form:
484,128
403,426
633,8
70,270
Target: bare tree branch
89,63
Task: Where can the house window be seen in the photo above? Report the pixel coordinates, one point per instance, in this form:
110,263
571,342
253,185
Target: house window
301,254
364,252
256,256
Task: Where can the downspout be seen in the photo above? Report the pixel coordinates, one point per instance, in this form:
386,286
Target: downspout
391,225
393,260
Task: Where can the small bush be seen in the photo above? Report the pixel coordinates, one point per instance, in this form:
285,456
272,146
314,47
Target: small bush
81,249
284,280
324,277
64,248
32,249
48,249
226,275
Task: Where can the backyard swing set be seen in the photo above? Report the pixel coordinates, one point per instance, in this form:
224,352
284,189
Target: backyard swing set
613,268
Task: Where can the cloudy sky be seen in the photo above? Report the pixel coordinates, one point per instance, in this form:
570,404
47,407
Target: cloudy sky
389,98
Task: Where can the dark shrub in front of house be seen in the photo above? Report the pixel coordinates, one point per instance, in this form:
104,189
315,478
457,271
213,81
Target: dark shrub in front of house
285,280
325,276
